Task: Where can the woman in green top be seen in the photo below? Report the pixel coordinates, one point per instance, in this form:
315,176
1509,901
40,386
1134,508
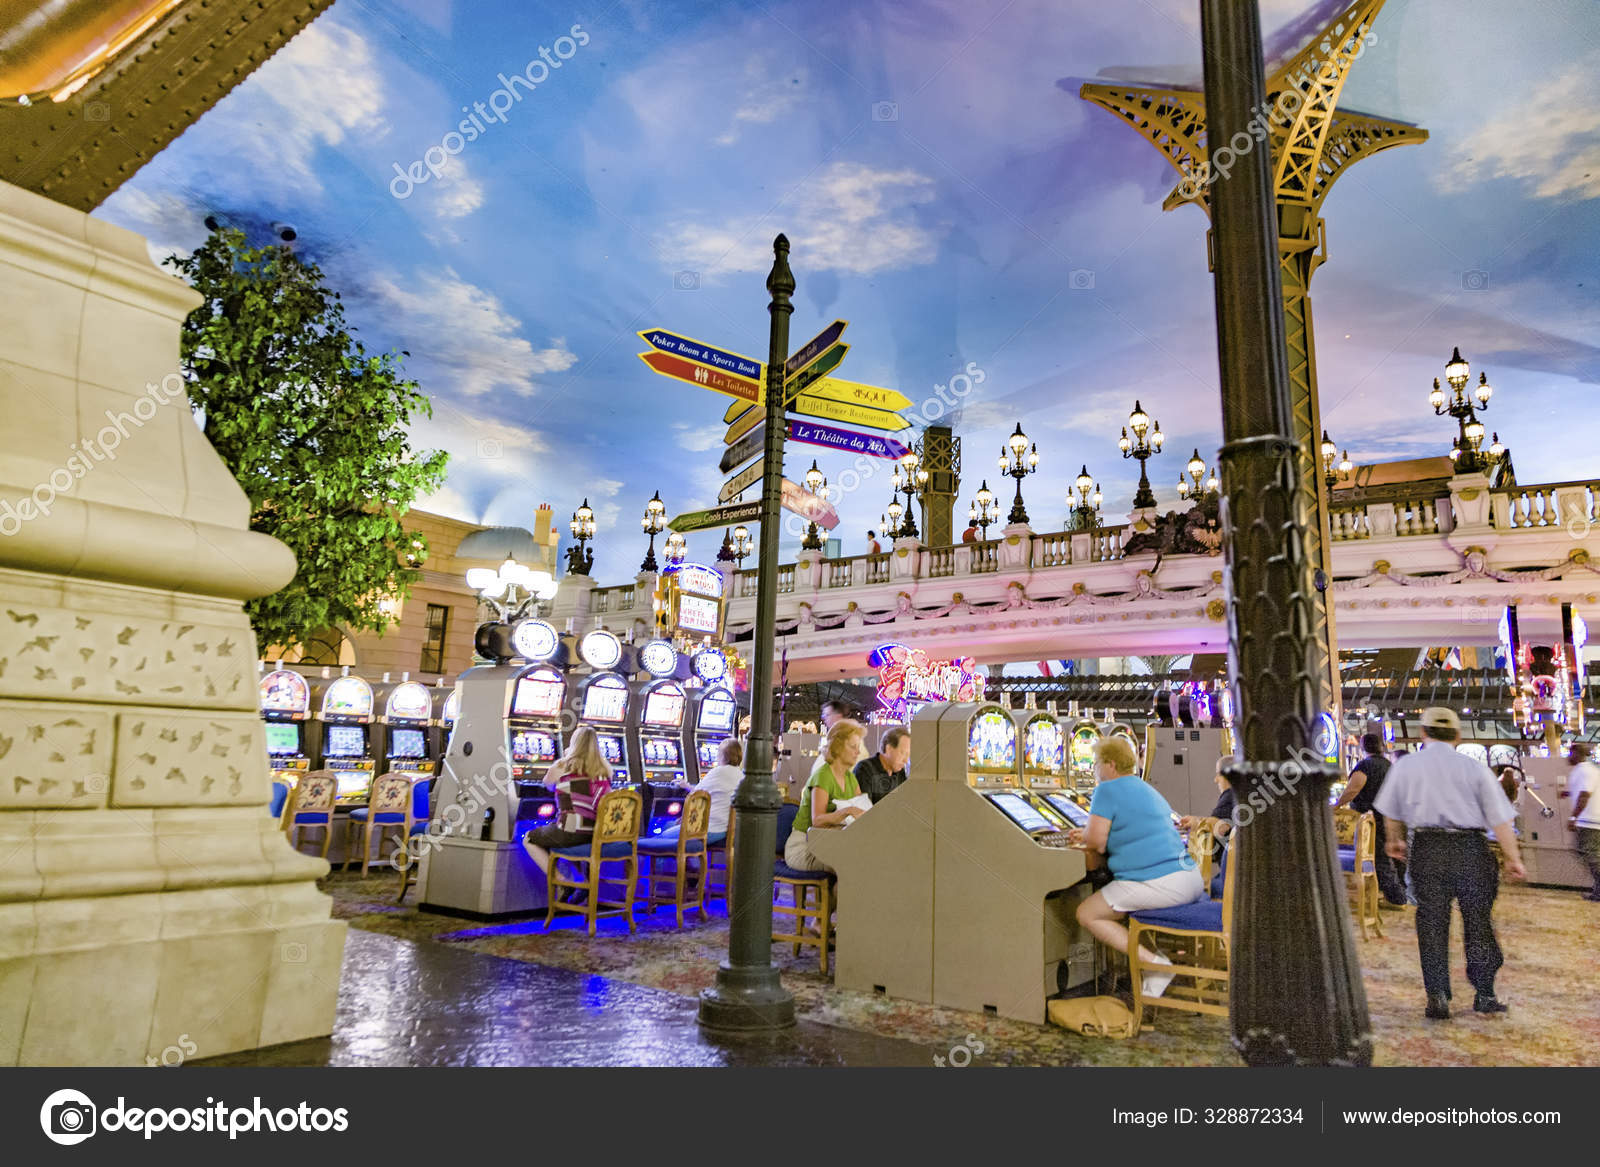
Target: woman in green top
832,781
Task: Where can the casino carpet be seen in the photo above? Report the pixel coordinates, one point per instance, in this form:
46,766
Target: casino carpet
1549,939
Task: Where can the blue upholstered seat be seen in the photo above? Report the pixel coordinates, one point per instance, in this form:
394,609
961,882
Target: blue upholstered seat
1200,916
360,813
716,838
619,850
280,795
783,871
314,817
659,846
1347,859
786,814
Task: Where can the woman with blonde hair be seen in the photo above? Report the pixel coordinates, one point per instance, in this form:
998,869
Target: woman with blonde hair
832,797
580,779
1130,824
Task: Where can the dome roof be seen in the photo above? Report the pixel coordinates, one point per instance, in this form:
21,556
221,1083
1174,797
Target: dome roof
497,544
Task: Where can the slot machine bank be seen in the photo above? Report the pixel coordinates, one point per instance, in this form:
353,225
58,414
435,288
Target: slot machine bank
958,889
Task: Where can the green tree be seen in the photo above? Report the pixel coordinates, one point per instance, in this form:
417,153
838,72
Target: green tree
313,427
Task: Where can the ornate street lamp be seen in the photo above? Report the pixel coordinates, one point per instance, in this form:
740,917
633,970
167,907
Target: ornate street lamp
1198,474
1332,472
1466,452
579,557
910,477
1013,462
675,546
743,544
654,522
984,510
815,483
890,519
1145,444
1086,514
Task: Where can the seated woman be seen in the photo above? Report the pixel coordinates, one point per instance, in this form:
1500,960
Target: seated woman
832,781
720,782
1131,825
580,778
1219,823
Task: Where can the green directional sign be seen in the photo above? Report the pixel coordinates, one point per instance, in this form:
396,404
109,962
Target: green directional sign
818,369
728,516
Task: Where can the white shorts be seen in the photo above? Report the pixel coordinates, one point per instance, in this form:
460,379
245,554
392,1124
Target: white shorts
1167,891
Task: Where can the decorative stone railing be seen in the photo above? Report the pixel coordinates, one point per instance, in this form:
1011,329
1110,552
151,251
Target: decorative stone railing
1562,504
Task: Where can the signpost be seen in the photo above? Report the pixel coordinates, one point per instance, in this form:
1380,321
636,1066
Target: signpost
813,508
740,482
814,348
737,410
705,354
818,369
740,512
743,426
703,376
878,419
855,393
814,434
744,449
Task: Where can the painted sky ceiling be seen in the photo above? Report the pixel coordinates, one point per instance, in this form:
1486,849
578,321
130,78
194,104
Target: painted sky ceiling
946,191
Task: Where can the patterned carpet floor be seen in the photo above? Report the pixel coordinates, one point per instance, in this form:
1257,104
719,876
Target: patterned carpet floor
1550,939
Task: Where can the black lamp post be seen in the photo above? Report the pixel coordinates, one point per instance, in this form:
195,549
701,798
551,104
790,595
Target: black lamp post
1086,514
910,477
984,510
1331,470
815,483
1013,462
890,519
654,521
579,557
1467,453
1145,444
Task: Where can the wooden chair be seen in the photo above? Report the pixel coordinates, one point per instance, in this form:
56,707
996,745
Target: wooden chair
616,841
688,855
802,908
311,805
1360,865
1200,839
1199,932
421,816
722,849
389,805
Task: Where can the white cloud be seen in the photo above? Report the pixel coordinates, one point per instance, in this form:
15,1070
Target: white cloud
170,223
851,217
763,100
1551,139
697,440
458,194
465,331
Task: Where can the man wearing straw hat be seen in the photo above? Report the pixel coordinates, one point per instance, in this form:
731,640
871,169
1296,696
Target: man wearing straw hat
1449,801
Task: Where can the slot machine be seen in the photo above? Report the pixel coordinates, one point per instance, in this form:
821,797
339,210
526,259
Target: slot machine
345,717
534,725
1044,762
449,710
407,717
957,890
1082,739
716,717
658,744
603,702
286,709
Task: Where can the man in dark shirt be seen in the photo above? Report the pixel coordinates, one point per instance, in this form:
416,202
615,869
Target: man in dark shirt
886,769
1364,783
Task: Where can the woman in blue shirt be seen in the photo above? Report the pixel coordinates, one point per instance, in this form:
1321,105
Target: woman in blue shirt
1130,824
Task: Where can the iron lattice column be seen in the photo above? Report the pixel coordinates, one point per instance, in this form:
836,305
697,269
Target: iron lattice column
1296,995
941,458
1312,143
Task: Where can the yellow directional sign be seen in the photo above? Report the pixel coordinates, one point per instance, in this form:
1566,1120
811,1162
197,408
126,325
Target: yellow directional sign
878,419
736,411
744,425
854,393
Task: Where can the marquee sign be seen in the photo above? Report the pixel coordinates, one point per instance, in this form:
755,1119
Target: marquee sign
906,676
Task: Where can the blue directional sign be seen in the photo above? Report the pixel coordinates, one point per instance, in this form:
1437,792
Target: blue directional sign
840,439
814,347
694,350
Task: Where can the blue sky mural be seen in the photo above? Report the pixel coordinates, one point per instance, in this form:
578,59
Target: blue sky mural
946,191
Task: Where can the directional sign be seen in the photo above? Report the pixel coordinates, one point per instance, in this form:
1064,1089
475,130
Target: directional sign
811,507
694,350
849,440
744,449
855,393
814,347
729,516
878,419
741,482
738,409
744,425
818,369
703,376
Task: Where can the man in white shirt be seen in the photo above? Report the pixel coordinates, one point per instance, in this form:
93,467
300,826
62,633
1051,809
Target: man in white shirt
720,782
1450,801
1583,789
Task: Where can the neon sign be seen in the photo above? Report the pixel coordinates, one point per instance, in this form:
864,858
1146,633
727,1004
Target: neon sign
907,677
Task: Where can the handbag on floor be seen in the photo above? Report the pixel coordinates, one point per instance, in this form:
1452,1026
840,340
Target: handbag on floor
1092,1016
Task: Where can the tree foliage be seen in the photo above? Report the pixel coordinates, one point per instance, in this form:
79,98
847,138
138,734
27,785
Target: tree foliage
314,428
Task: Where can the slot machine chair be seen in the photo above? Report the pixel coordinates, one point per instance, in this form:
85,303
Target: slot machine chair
392,804
310,804
721,846
421,816
617,820
1203,930
802,910
1358,860
688,884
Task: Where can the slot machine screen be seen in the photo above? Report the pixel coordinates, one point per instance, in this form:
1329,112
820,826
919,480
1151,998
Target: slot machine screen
698,614
282,739
603,702
661,751
717,711
1070,810
664,707
610,748
534,745
346,741
539,696
348,697
992,742
406,743
1041,748
409,701
284,692
1084,740
1018,811
708,754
